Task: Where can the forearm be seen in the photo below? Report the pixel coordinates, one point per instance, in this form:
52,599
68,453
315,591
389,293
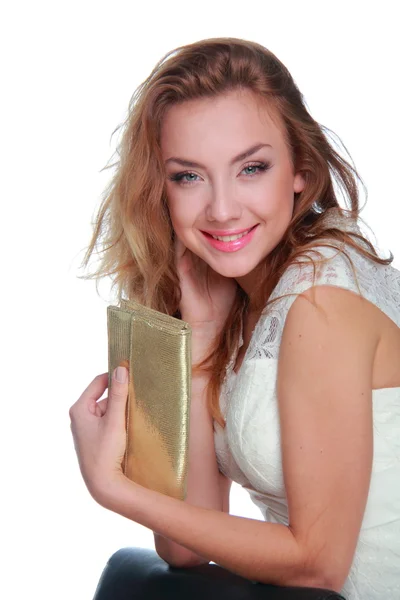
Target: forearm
259,551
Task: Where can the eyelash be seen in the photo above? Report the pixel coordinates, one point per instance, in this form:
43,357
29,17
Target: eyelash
178,177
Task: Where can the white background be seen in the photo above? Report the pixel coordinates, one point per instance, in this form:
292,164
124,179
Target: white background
68,72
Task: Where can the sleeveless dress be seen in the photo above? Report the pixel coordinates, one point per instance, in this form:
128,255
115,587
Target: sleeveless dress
248,449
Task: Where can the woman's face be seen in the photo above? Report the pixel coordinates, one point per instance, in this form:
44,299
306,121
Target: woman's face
230,182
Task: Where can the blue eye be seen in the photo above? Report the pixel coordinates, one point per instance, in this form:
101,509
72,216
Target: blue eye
259,168
180,178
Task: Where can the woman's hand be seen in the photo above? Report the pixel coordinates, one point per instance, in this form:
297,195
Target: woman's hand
207,297
98,429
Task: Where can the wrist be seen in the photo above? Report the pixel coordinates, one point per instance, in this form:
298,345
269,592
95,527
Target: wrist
108,492
202,343
204,329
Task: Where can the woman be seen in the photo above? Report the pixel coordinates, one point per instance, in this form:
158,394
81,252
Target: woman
223,211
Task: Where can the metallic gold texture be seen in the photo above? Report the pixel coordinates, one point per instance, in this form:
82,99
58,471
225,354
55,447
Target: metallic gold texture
158,350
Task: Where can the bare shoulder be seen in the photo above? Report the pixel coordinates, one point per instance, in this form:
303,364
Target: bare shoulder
345,318
334,302
325,312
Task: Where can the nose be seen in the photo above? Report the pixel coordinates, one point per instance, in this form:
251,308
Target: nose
223,205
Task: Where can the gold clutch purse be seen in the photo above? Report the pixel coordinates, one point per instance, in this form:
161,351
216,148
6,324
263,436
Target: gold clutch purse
156,349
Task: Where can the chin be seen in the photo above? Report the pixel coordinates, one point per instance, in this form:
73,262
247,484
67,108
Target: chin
232,271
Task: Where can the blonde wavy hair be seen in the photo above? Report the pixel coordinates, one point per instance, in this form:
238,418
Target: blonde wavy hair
133,233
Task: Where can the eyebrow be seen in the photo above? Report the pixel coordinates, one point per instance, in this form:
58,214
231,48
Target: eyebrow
239,157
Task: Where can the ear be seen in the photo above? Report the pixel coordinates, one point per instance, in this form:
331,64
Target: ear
299,182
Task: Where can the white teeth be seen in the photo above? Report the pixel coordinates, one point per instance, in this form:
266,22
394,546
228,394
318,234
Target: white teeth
230,238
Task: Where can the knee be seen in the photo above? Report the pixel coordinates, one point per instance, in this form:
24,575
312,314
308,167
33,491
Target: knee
125,554
131,560
128,557
126,570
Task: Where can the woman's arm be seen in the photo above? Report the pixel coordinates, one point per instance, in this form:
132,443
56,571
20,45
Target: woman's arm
324,389
206,486
325,399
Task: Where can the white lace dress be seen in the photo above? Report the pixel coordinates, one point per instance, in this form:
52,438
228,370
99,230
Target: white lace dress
248,449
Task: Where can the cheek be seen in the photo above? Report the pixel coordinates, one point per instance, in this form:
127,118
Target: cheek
274,197
284,190
184,209
178,216
284,181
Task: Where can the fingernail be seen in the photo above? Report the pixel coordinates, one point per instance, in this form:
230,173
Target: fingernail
121,374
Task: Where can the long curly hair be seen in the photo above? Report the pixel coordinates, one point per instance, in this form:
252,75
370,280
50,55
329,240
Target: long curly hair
133,233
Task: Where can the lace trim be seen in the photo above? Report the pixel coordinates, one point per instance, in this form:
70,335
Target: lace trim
379,284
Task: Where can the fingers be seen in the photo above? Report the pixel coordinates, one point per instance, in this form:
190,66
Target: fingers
96,388
188,262
92,393
183,260
90,399
117,397
101,407
180,249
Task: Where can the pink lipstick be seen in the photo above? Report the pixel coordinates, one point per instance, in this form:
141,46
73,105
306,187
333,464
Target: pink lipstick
241,237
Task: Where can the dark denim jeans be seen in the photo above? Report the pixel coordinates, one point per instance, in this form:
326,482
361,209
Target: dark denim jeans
140,574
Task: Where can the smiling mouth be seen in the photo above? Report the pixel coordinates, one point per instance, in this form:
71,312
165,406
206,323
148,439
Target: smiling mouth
230,238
